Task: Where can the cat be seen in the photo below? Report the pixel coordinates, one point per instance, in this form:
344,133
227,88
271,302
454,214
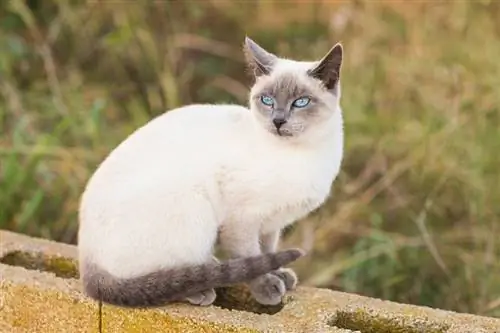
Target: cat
203,174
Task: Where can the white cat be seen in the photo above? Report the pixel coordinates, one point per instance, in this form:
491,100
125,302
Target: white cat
154,209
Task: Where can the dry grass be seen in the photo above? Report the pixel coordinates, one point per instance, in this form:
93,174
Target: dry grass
414,216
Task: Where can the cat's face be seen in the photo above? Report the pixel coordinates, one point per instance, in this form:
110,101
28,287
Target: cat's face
291,98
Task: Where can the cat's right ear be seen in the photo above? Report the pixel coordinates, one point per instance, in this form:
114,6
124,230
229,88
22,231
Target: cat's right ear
259,60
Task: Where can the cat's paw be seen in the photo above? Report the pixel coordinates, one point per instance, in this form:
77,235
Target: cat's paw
203,298
288,277
268,289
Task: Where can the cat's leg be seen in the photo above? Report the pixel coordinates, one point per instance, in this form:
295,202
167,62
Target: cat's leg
269,243
267,289
204,298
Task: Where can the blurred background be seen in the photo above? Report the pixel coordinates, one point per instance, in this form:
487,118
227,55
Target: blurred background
414,216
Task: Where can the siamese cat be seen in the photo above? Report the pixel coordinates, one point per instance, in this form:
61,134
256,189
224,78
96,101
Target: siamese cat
203,174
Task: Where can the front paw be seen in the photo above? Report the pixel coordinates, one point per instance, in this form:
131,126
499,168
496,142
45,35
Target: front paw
288,277
268,289
203,298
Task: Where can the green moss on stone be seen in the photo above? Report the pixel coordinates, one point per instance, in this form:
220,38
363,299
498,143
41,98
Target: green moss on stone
60,266
365,322
29,309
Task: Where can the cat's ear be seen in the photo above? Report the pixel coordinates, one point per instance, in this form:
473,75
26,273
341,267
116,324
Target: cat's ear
259,60
328,69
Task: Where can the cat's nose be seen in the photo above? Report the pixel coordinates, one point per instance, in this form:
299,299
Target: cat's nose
278,122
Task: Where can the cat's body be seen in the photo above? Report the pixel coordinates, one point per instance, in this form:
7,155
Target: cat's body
163,197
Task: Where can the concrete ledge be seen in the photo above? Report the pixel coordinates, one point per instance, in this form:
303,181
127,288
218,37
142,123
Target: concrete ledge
39,292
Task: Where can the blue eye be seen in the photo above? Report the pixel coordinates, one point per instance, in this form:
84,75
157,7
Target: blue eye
301,102
266,100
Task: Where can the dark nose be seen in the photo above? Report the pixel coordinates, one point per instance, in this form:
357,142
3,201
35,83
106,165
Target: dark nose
278,122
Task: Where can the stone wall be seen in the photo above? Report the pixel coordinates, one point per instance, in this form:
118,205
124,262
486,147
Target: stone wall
39,292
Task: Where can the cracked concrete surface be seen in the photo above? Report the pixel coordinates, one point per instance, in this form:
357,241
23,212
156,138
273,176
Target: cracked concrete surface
32,300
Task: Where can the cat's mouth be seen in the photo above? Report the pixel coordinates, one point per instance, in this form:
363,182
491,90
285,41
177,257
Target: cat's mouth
284,132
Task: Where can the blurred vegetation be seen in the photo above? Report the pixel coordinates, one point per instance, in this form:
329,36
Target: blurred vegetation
414,216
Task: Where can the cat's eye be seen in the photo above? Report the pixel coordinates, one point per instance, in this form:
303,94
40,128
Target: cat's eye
266,100
301,102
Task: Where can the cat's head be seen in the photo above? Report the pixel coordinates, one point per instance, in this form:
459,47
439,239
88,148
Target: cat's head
293,98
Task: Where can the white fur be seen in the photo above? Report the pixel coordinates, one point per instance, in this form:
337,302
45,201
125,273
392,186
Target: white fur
161,197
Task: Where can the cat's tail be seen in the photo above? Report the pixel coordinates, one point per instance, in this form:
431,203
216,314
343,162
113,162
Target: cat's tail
164,286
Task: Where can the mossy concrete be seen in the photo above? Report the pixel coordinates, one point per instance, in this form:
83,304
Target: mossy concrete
39,292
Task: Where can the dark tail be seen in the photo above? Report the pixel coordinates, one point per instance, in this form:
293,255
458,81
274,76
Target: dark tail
161,287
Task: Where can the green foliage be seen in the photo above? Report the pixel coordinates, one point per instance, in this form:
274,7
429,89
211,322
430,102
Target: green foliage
414,216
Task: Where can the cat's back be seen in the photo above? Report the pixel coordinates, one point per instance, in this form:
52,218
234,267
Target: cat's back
191,123
175,143
179,130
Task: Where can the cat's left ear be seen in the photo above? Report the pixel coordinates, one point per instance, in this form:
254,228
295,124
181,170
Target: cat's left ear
328,69
259,60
